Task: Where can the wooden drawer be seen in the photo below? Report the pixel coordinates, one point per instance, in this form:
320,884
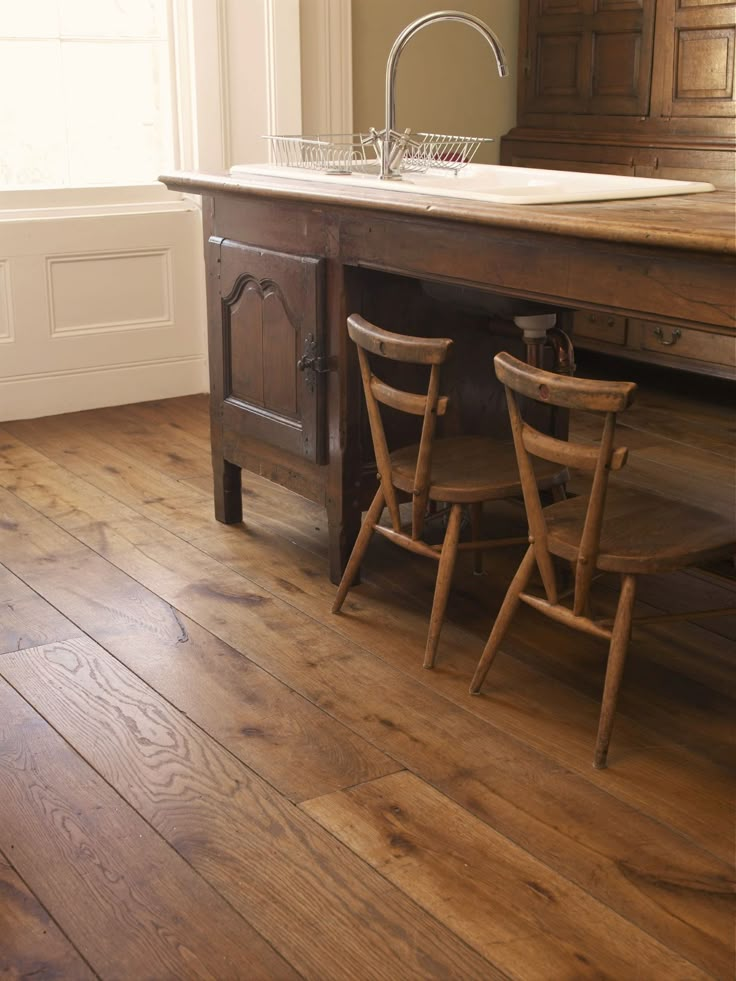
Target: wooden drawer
600,327
683,342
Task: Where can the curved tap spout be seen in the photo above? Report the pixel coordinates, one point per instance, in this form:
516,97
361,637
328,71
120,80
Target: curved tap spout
393,61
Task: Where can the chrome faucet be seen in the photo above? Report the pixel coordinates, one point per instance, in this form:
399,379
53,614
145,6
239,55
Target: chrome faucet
391,144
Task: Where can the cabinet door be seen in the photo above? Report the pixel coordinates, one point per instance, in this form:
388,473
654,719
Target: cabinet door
694,60
272,322
589,57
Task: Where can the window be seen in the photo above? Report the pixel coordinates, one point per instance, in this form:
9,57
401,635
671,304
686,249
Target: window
87,92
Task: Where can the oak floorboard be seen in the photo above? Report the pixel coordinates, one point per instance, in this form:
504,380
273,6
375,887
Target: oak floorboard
26,620
650,475
320,906
698,650
677,454
298,748
699,406
268,505
659,879
678,427
182,505
658,772
145,435
507,905
302,522
651,765
130,904
31,945
187,415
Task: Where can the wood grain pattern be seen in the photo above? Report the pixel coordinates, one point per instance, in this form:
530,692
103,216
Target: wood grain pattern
160,561
637,848
532,922
693,222
327,912
31,945
26,620
299,749
107,879
625,858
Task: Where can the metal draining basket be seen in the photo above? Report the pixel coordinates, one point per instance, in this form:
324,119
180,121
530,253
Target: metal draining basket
344,153
334,154
440,150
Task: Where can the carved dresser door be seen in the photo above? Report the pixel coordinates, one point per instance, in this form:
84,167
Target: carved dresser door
272,323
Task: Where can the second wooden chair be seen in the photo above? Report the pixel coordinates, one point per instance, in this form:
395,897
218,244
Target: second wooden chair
454,471
616,529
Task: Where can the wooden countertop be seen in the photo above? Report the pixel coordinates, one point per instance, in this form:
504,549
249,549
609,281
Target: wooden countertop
703,222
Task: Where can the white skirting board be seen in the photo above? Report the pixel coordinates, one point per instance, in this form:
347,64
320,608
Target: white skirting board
51,394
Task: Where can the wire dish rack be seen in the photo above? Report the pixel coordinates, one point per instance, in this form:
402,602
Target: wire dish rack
345,153
334,154
439,150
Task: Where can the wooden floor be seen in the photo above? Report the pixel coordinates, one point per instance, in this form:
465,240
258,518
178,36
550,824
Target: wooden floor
203,774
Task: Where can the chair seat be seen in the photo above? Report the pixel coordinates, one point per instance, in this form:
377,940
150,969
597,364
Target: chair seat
642,532
470,469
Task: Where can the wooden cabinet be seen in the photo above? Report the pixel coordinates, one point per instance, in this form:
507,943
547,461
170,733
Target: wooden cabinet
643,88
638,87
268,359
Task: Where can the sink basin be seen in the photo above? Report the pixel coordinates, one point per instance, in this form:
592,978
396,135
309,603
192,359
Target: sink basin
497,185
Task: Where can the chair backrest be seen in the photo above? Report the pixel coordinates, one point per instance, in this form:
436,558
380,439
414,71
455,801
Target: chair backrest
566,392
430,351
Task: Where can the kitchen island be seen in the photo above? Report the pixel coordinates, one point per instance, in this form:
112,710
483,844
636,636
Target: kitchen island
288,260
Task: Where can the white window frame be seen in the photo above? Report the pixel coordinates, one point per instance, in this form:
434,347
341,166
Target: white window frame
203,103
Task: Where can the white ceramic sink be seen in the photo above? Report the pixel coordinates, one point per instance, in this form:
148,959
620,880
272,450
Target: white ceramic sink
498,185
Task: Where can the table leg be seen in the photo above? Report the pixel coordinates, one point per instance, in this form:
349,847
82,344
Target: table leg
228,497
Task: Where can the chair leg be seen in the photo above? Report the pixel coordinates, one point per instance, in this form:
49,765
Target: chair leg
361,544
505,615
616,658
476,519
442,586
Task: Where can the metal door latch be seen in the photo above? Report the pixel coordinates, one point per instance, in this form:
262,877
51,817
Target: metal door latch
311,362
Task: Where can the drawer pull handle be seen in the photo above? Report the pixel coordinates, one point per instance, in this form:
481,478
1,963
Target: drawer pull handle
676,335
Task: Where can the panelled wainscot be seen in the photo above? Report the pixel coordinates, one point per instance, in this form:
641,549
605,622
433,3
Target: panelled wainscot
287,261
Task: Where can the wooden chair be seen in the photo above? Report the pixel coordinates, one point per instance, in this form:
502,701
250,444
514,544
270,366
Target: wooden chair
620,530
456,471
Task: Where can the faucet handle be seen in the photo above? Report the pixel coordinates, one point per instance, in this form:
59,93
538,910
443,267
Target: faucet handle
397,145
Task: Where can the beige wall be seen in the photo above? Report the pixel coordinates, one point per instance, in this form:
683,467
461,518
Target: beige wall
447,80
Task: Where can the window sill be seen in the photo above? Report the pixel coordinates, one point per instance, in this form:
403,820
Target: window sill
83,202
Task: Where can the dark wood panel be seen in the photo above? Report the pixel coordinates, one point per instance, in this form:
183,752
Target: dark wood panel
31,945
592,59
697,65
271,309
328,912
245,344
690,291
123,896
